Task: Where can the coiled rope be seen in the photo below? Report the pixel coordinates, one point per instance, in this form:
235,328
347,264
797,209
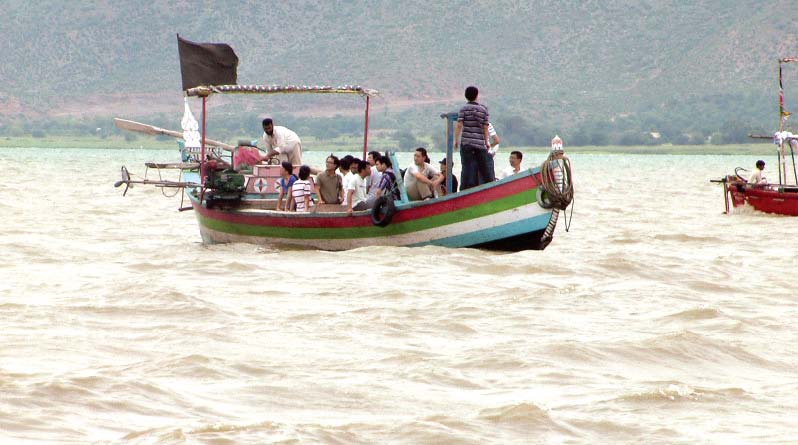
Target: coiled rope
557,185
556,175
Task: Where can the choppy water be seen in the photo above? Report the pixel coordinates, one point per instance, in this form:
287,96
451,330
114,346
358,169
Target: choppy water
656,320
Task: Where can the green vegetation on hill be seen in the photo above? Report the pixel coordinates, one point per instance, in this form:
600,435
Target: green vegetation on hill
597,72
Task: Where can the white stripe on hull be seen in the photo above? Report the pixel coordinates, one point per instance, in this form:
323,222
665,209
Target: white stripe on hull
428,236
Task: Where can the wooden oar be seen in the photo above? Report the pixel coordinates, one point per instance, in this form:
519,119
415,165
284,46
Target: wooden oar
125,124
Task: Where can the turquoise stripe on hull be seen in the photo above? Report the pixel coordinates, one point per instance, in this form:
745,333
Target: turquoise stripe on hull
493,233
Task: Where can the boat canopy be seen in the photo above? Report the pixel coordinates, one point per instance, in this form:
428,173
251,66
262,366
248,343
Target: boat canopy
204,91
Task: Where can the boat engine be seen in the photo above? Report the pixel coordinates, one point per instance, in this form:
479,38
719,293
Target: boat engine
223,187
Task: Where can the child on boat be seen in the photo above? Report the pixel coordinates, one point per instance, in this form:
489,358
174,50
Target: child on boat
287,179
300,191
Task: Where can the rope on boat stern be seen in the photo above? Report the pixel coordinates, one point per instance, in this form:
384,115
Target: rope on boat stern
558,186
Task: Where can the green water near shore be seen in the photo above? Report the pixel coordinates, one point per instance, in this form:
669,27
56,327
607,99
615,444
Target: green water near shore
350,144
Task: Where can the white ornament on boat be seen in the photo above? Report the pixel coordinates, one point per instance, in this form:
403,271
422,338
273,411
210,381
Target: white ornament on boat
556,143
190,126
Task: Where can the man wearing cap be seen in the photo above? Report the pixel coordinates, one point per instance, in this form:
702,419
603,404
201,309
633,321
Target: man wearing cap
444,169
281,142
756,177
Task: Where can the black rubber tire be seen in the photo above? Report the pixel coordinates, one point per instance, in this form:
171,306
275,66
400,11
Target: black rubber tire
383,211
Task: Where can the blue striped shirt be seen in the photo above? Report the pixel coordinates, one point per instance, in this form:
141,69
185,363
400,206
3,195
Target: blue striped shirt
474,118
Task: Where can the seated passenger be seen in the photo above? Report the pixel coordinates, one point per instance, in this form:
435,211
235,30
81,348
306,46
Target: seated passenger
421,179
356,188
455,185
329,184
515,165
373,181
756,177
387,185
300,191
287,179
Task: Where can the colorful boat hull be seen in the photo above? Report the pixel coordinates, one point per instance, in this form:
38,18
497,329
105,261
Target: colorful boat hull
503,215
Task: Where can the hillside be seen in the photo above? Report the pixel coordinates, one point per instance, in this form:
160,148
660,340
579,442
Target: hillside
567,66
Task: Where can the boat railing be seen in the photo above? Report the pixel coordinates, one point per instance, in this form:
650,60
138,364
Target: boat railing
399,178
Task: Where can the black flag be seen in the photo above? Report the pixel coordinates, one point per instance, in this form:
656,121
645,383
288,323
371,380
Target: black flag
203,64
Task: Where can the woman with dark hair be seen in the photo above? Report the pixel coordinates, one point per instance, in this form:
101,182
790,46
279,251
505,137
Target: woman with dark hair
421,179
287,179
423,152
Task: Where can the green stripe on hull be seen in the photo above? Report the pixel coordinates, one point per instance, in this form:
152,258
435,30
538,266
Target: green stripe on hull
489,208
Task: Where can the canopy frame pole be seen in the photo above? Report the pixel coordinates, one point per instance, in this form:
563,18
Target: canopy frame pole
451,118
366,129
204,109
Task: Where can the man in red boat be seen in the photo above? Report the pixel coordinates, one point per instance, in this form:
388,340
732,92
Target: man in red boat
756,177
281,142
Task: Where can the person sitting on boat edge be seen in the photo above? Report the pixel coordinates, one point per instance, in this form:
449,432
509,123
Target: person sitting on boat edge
756,177
373,181
281,142
356,188
330,184
516,157
421,179
287,179
301,190
387,184
455,185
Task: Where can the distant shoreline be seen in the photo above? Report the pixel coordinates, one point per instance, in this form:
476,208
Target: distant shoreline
148,143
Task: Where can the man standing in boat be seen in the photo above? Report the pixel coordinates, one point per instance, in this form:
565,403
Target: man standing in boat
281,142
472,124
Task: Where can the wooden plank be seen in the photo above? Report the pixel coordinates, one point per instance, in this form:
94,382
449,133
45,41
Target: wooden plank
173,165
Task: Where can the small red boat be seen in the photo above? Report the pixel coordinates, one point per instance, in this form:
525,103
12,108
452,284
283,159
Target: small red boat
782,197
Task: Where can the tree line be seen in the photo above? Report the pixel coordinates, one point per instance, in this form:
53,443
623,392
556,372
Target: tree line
408,130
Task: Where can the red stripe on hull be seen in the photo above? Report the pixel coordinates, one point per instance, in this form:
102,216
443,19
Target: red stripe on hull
769,201
419,210
764,200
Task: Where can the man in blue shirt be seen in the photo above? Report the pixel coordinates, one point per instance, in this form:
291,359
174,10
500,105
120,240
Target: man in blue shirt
472,124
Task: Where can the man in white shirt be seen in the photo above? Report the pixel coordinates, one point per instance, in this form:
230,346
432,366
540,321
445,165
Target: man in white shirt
373,181
756,177
421,178
494,140
356,189
515,165
348,164
282,142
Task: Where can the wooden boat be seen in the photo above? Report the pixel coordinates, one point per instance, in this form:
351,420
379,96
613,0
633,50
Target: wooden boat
779,198
516,213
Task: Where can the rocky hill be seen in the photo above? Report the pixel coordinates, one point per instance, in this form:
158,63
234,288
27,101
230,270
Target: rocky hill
666,66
